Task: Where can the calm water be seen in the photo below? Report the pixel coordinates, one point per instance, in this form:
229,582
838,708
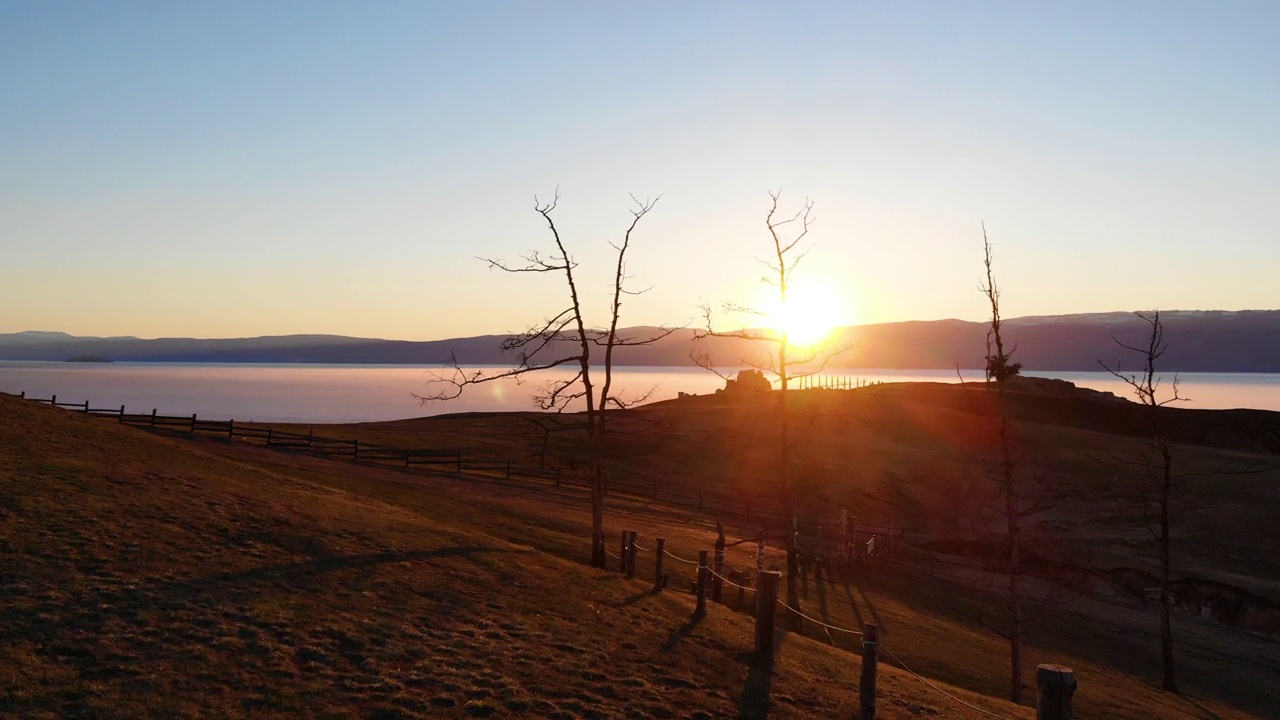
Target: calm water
356,393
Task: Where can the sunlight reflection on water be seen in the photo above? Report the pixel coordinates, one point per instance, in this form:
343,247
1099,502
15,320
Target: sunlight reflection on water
358,393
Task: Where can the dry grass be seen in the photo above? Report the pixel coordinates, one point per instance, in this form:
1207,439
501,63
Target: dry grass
145,577
150,576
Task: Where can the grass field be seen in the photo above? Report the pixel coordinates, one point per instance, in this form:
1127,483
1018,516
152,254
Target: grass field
148,575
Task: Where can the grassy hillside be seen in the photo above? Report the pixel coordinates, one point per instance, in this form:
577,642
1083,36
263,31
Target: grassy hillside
161,576
914,453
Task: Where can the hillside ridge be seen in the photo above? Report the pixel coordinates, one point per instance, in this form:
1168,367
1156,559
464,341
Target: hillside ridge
1198,341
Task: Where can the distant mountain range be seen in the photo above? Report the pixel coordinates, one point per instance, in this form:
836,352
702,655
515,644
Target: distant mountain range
1198,341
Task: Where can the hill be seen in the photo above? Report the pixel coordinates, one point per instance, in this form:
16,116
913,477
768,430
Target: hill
1199,341
290,580
913,453
147,576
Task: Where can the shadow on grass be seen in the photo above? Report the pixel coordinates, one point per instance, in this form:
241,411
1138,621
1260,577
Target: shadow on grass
1205,712
226,587
681,633
871,608
755,701
857,611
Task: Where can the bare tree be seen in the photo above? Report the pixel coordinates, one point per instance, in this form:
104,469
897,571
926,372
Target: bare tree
565,340
786,232
1157,462
999,368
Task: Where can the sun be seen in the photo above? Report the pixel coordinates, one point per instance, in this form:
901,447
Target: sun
811,312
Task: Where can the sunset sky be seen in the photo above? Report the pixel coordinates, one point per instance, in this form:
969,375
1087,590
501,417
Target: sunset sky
242,168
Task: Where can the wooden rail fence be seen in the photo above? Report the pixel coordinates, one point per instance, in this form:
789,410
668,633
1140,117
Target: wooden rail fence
832,540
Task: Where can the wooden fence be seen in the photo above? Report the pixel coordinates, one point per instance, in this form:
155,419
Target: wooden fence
1055,684
858,541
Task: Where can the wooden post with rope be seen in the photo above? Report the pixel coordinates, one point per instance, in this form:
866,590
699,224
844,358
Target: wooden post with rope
1055,685
622,554
844,537
766,609
631,554
701,608
867,683
854,555
659,555
717,585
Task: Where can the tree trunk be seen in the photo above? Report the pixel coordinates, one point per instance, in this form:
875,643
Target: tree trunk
1015,564
596,445
1015,607
1166,624
794,623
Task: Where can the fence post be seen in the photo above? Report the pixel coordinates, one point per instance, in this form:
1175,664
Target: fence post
631,554
659,555
231,428
193,422
153,417
54,401
844,533
622,554
406,456
269,431
717,585
22,395
853,537
86,407
459,464
867,684
355,450
1054,686
310,435
766,609
121,413
701,608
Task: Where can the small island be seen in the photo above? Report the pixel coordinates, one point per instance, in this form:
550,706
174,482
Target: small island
88,359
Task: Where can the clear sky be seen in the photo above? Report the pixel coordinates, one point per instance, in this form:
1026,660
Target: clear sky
245,168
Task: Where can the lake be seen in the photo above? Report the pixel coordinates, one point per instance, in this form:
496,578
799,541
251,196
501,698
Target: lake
359,393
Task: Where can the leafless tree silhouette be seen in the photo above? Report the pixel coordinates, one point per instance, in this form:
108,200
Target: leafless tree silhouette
787,364
1157,462
1004,471
565,340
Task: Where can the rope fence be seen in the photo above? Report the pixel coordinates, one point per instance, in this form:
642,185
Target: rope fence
1055,684
677,558
819,622
730,583
971,706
